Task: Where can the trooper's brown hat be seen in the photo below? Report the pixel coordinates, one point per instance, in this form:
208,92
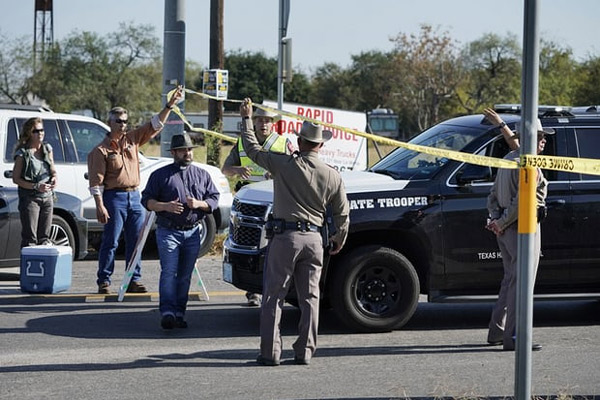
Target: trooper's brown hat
314,132
540,130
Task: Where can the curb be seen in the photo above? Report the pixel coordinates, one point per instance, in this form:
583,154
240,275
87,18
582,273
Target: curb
21,298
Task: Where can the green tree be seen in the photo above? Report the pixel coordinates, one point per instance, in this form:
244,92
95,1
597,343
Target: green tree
16,63
427,72
332,87
298,90
87,71
254,75
588,78
373,79
557,74
251,75
492,66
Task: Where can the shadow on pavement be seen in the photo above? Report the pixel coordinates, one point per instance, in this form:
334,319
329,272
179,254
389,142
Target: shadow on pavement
216,320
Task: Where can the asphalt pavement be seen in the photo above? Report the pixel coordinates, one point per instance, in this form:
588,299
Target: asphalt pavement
81,345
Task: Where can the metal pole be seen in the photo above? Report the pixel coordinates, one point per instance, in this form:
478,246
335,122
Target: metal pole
217,58
281,35
173,67
525,275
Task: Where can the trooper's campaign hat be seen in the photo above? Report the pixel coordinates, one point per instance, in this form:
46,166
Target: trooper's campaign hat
314,132
540,130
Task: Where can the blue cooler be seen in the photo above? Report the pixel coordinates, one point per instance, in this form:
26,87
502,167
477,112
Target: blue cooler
46,269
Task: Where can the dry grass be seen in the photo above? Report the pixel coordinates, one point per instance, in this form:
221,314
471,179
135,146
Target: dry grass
217,247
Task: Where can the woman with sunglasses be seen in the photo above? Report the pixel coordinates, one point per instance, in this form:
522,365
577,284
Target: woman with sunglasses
35,175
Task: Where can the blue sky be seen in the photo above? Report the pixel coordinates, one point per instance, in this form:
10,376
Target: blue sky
322,30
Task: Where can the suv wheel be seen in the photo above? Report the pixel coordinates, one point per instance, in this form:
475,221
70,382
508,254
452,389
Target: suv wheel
61,233
374,289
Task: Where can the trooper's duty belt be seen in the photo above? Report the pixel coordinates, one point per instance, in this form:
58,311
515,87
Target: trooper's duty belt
302,226
542,213
279,226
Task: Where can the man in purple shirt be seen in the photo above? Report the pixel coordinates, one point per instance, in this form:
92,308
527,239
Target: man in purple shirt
181,194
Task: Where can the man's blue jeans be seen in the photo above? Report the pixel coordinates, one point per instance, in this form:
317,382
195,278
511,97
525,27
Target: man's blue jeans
177,251
125,211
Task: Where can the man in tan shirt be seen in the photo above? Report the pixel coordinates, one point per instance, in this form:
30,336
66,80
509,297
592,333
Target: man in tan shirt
304,186
114,176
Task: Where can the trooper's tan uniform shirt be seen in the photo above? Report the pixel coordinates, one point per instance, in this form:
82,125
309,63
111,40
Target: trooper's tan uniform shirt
308,187
304,187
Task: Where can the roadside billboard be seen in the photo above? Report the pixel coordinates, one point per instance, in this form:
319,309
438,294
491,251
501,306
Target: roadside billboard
345,151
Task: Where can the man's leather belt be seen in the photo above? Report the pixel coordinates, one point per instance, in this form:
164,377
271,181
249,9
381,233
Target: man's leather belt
302,226
179,227
125,189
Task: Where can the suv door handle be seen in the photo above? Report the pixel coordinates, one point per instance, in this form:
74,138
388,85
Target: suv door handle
556,203
8,174
86,176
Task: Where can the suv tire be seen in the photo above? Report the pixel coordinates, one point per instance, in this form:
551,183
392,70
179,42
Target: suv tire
374,289
61,233
208,234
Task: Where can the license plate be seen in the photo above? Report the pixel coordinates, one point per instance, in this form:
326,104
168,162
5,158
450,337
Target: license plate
227,272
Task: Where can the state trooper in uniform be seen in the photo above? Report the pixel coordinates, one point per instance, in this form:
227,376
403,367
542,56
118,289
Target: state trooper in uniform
304,187
502,205
238,163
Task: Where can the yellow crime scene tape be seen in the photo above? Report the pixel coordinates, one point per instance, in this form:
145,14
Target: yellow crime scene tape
588,166
192,128
556,163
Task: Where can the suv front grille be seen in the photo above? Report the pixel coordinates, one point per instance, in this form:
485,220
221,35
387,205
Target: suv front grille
247,222
250,210
246,236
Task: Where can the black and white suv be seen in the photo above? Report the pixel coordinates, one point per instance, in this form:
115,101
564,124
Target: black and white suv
417,224
72,137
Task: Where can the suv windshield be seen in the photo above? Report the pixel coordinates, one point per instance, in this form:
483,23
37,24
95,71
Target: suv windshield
408,164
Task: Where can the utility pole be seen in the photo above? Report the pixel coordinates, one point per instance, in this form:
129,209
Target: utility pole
173,67
215,107
284,46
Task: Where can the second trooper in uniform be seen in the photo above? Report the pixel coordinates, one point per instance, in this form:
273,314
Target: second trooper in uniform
502,204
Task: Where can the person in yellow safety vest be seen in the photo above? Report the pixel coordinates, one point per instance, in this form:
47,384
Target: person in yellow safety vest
239,164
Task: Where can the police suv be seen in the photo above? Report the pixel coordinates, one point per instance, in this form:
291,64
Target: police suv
417,224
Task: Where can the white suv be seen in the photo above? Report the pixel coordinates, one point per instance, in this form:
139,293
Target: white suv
72,137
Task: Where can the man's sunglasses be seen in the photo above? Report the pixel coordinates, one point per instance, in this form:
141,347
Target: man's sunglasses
120,121
38,130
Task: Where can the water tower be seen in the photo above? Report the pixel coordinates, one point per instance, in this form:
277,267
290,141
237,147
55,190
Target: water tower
43,29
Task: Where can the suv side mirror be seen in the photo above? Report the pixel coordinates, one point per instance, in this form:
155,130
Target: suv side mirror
8,174
473,173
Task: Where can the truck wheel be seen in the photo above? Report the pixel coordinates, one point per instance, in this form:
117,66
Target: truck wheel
207,234
374,289
61,233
